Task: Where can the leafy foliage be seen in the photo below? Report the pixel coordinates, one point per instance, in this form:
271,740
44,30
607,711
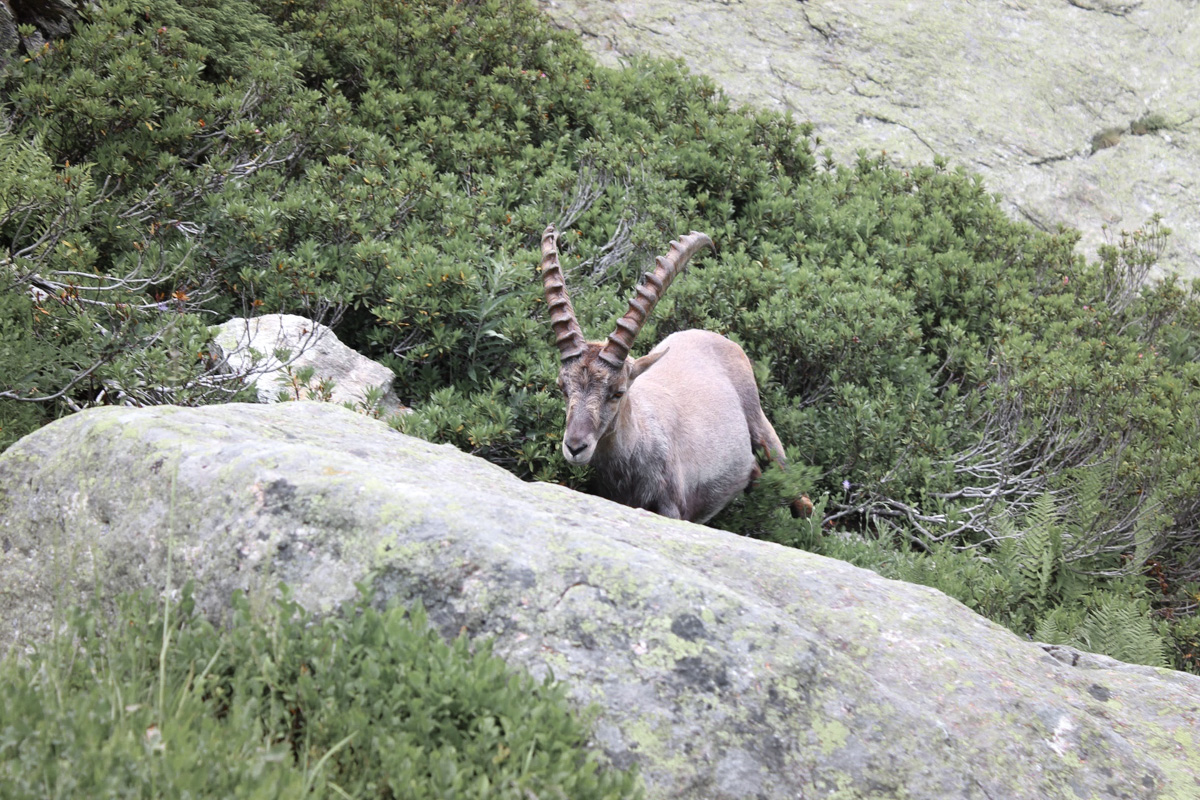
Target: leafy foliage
370,704
970,403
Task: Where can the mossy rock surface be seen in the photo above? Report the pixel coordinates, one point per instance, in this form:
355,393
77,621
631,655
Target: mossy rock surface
724,667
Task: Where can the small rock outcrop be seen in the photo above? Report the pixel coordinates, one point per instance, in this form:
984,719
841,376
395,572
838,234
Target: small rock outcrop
250,347
725,667
1082,113
50,19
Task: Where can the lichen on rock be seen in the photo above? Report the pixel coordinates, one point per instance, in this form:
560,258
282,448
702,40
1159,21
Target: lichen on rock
724,667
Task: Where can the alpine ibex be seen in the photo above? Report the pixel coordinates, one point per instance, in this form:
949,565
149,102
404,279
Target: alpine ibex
673,431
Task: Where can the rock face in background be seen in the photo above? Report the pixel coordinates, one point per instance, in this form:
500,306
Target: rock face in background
9,38
725,667
249,347
51,19
1016,91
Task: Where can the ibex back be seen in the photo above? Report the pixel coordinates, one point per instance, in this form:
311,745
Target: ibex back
673,431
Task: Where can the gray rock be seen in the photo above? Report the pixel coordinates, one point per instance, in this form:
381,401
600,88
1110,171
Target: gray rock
9,38
725,667
51,19
249,347
1015,91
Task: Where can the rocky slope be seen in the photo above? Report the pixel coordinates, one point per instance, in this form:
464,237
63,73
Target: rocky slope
724,667
1037,96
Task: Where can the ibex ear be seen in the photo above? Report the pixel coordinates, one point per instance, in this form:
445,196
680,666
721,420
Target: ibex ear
645,362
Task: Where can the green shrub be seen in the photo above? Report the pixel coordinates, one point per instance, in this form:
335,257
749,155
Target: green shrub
369,704
1148,123
1109,137
117,140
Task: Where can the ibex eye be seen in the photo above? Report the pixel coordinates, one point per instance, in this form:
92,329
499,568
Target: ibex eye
617,395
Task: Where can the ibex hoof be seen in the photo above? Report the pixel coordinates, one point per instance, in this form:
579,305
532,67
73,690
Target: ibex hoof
802,507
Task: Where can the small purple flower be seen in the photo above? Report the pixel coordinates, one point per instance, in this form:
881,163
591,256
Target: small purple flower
846,484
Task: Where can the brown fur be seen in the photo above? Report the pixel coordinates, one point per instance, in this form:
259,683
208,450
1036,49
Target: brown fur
673,431
681,440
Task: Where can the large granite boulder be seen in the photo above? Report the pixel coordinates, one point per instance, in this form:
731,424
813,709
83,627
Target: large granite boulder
724,667
1037,96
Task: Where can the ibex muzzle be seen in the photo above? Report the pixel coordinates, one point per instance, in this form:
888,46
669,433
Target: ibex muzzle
673,431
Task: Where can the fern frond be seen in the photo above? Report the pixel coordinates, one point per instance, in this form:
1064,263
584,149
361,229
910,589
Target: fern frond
1145,538
1033,558
1121,628
1059,626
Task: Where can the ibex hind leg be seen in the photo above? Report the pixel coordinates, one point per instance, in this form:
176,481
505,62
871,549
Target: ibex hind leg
763,437
762,434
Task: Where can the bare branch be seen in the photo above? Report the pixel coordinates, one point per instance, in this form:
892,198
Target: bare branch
589,187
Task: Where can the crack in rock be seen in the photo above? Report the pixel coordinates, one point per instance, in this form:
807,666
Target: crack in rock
909,128
1105,7
1054,159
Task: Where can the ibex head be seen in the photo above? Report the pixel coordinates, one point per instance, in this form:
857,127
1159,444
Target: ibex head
594,376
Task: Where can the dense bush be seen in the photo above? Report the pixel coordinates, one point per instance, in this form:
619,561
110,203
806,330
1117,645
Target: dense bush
972,404
370,704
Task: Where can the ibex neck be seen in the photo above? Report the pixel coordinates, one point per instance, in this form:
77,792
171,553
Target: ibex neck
620,443
624,458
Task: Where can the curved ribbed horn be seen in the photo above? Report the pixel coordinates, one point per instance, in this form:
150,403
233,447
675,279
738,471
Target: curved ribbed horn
567,333
653,284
